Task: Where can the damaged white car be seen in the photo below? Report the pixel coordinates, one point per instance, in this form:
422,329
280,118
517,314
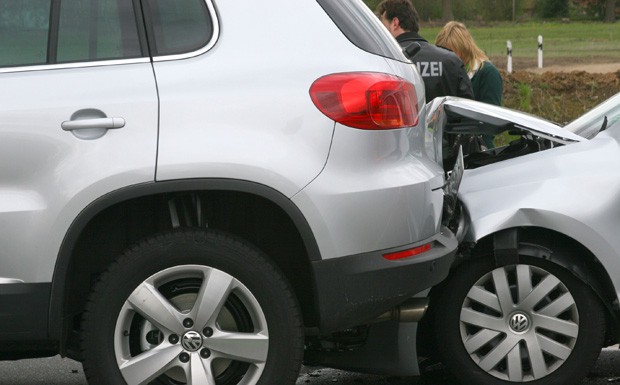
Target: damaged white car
533,295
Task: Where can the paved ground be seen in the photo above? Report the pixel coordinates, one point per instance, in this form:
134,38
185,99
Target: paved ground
57,371
606,372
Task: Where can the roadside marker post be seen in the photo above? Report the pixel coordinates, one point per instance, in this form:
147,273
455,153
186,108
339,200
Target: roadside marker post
540,51
509,52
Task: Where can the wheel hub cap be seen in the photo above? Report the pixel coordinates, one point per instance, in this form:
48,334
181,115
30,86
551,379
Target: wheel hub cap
191,341
519,323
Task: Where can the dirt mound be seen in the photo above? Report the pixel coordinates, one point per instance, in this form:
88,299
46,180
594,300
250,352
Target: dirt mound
558,96
601,68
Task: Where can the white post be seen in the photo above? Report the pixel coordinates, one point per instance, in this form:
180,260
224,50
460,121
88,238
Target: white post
509,50
540,51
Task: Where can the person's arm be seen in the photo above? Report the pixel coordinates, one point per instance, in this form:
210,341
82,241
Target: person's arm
490,86
465,89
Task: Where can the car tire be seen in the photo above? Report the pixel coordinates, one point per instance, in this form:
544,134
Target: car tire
488,330
192,307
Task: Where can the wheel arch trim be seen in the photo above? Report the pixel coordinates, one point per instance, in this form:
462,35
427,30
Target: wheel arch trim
508,245
58,291
498,222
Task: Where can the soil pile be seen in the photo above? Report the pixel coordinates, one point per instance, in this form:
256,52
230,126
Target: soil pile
558,96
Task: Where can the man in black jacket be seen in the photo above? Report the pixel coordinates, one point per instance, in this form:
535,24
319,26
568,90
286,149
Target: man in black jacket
443,72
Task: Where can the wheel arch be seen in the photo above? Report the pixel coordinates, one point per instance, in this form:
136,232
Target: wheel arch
536,242
506,246
101,232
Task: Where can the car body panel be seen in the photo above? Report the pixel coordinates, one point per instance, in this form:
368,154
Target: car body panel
599,118
231,119
279,150
375,192
574,190
492,120
48,174
368,173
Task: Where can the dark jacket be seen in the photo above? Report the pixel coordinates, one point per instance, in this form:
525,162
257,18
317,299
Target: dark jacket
487,84
442,71
488,87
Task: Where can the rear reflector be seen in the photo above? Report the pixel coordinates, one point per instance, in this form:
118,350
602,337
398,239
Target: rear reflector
366,100
408,253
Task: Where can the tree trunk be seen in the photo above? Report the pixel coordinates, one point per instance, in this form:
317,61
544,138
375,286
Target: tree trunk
610,11
447,13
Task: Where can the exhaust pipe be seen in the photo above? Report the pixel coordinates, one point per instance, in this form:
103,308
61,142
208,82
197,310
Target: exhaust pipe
411,310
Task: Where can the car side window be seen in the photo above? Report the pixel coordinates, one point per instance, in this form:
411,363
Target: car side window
97,30
39,32
24,29
178,26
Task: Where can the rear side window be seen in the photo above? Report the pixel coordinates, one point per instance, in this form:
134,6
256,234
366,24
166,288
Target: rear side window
37,32
178,26
362,27
97,30
24,26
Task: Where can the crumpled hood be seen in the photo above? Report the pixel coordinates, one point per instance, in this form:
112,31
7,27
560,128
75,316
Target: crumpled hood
472,117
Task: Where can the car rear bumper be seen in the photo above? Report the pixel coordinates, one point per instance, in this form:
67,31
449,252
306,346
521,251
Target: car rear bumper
357,289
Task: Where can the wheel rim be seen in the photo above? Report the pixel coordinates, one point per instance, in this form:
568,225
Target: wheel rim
519,323
191,324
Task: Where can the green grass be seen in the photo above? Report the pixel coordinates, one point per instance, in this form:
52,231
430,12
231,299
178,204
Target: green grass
576,39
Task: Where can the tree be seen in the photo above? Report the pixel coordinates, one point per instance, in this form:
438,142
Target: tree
446,10
610,11
372,4
554,8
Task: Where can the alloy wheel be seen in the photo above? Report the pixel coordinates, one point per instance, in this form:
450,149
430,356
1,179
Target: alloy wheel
191,324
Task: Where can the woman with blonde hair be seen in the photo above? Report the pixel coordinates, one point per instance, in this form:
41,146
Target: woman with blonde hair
485,78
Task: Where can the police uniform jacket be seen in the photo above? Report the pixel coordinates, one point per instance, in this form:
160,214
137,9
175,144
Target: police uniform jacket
443,72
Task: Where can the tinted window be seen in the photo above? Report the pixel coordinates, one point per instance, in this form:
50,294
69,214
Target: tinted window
24,26
79,30
178,26
97,30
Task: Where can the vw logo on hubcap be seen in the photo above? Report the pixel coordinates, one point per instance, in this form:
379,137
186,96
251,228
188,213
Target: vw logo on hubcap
191,341
519,322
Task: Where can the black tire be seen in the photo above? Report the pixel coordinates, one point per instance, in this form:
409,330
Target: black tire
576,339
116,324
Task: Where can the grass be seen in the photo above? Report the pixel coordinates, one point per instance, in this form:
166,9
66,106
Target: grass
556,96
579,40
525,97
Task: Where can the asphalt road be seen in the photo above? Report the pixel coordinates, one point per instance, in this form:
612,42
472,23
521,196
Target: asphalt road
58,371
605,372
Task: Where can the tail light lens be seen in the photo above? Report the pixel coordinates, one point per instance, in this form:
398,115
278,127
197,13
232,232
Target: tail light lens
366,100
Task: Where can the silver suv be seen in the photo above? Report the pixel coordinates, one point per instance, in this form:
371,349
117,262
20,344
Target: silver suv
189,188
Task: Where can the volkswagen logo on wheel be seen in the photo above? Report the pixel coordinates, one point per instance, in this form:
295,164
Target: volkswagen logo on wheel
191,341
519,323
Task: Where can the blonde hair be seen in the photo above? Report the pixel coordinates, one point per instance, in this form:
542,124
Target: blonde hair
456,37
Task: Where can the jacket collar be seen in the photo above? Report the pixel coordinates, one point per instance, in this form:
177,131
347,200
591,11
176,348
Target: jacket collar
410,36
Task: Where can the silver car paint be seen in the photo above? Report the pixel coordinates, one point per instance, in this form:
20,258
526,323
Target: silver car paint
590,123
574,190
48,175
368,174
493,113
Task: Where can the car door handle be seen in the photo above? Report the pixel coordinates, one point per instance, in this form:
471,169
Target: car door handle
106,123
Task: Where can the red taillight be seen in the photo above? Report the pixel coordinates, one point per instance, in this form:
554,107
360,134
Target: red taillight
408,253
366,100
